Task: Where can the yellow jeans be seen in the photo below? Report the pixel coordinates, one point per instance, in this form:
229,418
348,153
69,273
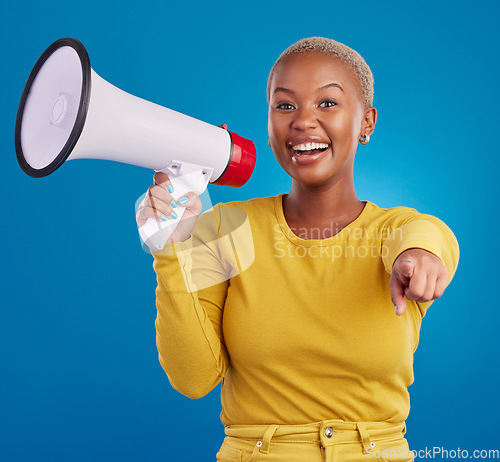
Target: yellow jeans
326,441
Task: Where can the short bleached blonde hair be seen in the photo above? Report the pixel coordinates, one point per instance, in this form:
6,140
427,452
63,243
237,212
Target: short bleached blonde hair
332,47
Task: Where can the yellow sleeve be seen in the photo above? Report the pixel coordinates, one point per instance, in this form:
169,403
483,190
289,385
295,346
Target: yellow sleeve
424,232
190,298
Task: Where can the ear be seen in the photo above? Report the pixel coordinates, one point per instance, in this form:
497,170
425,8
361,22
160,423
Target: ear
369,121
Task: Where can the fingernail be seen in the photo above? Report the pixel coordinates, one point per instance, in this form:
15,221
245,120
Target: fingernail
164,218
173,215
173,204
184,200
170,189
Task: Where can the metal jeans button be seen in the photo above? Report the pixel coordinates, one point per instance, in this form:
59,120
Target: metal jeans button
329,432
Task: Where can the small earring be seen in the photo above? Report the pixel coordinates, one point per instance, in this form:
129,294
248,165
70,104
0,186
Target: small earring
364,141
269,143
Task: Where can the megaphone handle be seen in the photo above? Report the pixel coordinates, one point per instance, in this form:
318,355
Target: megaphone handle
155,233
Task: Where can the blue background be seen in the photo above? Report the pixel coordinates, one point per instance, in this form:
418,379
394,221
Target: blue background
80,375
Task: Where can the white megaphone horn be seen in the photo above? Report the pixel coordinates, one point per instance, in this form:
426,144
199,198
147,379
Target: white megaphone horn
68,112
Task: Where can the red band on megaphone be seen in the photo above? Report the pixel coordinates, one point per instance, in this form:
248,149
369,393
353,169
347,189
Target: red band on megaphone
241,164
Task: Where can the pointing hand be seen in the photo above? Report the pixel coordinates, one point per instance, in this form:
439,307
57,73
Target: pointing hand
419,275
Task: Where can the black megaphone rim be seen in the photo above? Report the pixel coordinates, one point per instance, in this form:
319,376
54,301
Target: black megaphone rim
82,109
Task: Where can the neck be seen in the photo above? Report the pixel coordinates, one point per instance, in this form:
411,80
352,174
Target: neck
326,204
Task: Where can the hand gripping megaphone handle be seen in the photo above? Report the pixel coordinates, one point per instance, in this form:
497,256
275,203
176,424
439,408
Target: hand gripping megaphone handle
184,177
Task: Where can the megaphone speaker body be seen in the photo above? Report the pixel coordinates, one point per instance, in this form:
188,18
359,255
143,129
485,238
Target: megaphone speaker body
67,111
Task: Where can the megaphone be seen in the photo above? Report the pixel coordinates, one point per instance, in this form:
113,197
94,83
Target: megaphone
68,112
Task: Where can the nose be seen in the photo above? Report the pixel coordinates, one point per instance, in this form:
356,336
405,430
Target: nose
305,118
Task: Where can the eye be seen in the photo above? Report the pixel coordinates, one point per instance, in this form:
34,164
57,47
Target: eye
328,103
286,106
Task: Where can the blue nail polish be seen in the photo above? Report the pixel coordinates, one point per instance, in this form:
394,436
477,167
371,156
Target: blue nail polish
164,218
173,204
170,189
173,215
184,200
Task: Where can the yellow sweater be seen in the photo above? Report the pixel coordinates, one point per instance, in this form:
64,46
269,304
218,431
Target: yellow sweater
298,330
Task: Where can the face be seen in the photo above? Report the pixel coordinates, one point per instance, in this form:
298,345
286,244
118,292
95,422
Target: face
316,115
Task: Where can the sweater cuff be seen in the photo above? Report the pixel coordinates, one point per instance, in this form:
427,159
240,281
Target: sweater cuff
420,234
174,247
172,258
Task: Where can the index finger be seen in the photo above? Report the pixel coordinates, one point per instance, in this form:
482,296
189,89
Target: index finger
162,179
397,289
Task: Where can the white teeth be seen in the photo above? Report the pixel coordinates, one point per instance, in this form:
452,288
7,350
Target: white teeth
309,146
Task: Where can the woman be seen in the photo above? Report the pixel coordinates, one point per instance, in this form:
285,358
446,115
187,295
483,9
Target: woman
290,300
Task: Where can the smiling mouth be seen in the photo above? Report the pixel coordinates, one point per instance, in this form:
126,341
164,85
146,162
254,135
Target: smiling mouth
309,152
309,149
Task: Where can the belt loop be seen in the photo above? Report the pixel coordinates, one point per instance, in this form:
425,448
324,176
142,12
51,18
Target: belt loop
365,438
266,439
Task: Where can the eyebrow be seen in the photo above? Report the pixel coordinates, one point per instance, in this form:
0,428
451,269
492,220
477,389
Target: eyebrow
324,87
